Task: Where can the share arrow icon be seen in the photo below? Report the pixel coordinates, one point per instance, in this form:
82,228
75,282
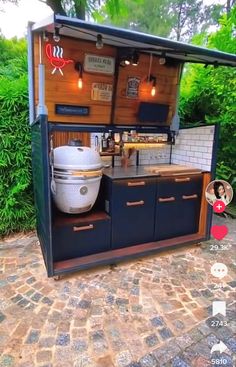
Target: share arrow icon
220,347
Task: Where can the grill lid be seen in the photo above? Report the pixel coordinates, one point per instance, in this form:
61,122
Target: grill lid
76,157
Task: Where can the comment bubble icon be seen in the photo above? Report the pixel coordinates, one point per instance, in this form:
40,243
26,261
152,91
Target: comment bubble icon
219,270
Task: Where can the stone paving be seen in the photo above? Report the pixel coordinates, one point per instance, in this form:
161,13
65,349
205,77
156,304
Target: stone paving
152,312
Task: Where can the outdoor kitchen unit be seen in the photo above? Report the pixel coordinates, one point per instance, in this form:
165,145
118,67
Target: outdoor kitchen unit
121,101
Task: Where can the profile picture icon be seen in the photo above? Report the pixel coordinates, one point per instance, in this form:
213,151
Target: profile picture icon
219,190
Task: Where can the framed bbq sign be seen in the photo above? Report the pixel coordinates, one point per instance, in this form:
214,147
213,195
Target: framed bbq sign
99,64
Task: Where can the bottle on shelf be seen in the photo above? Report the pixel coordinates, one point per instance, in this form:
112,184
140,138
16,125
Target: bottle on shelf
104,144
121,144
111,142
125,136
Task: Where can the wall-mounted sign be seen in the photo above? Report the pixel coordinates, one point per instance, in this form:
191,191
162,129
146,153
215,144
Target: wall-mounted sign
55,56
132,87
64,109
99,64
101,92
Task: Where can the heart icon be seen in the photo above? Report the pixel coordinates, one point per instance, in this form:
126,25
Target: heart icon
219,232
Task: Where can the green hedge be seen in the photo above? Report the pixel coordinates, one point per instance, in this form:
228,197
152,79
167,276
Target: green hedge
208,95
16,198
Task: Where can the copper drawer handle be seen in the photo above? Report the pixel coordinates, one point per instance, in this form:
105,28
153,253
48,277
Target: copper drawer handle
182,179
140,183
163,200
187,197
83,228
135,203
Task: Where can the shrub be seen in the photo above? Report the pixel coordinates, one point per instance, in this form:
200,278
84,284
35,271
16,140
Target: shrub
208,96
16,199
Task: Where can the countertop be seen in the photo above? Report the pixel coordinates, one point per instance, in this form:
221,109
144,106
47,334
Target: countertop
149,171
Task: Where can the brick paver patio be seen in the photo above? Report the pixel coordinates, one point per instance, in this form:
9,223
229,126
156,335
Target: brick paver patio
151,312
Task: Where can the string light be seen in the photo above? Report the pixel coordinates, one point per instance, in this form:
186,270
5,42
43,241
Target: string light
56,35
45,36
135,58
162,59
99,43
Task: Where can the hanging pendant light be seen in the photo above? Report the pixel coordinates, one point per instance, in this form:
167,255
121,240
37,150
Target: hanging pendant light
79,68
151,78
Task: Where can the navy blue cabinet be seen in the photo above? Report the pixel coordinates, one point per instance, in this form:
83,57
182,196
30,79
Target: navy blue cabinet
178,203
152,209
132,210
81,236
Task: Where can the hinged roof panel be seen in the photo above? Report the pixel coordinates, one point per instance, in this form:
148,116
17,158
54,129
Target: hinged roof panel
76,28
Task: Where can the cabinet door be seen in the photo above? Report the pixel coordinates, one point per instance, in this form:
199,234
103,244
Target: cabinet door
177,207
132,210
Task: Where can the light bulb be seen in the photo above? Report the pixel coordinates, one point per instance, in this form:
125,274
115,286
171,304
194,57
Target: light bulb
162,61
127,62
45,36
135,58
153,91
99,43
80,83
56,36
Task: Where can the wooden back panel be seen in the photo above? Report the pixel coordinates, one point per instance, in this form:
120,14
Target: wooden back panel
63,137
63,89
166,88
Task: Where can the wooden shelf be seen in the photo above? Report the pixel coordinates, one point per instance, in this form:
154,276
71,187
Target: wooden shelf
109,154
62,219
117,255
146,142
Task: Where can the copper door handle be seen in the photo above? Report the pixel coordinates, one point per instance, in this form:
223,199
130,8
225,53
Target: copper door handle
83,228
163,200
187,197
140,183
182,179
135,203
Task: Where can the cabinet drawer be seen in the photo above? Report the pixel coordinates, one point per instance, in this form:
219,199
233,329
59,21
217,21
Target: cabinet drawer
179,187
76,240
133,189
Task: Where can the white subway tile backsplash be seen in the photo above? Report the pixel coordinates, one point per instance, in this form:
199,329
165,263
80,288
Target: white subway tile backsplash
195,147
208,143
198,154
144,161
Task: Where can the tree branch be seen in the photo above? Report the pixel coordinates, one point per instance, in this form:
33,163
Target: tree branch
56,6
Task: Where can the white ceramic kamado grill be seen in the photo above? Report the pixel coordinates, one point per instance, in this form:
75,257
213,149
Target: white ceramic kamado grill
76,177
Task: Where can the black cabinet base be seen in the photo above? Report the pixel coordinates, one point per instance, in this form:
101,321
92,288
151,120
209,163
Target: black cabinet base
79,236
118,255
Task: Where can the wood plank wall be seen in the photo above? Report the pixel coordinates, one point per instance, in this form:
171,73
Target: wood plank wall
166,88
64,90
63,137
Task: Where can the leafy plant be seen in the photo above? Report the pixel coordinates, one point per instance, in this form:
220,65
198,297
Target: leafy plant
208,95
16,198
